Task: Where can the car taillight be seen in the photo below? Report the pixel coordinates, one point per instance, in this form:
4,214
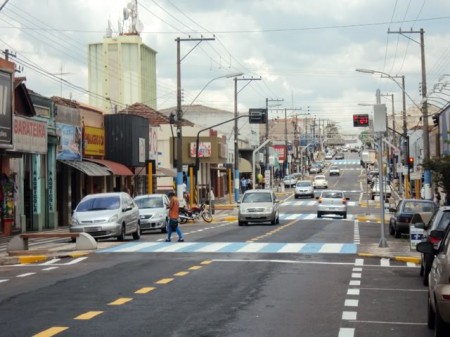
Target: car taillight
434,240
446,297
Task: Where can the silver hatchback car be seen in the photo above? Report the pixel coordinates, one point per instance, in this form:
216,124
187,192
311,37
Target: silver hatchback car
153,211
258,206
332,202
105,215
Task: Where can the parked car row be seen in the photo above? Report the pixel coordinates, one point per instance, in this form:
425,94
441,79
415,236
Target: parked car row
435,268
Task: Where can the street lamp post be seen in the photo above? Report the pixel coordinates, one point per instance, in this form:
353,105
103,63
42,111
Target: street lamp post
216,78
405,129
236,134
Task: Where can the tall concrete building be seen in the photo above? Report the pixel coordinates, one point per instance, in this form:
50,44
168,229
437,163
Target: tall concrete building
122,69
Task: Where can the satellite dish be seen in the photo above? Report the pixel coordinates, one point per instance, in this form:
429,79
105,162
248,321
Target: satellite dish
126,13
139,26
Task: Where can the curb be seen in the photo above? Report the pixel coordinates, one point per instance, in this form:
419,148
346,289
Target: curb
412,259
29,259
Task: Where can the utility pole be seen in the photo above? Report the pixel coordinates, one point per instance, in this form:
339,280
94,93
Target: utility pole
425,135
236,133
179,112
266,164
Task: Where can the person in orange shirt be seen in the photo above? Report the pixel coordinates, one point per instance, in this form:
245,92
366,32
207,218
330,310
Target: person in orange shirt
173,207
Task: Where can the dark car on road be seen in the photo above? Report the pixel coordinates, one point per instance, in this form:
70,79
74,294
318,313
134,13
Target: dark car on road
438,223
405,210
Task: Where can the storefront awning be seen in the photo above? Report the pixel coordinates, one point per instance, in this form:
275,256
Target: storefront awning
115,168
245,166
88,168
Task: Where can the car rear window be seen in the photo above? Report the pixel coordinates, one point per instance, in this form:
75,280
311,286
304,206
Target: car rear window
303,184
99,204
417,207
149,203
443,223
332,195
257,197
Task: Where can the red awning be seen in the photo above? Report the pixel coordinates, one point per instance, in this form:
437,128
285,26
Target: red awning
115,168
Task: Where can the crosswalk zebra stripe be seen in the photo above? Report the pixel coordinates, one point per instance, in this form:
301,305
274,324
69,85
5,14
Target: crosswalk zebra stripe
234,247
312,216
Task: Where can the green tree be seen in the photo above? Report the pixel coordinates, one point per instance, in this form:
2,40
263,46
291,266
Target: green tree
440,168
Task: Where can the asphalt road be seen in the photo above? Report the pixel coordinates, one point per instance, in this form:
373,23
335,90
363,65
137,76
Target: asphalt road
225,281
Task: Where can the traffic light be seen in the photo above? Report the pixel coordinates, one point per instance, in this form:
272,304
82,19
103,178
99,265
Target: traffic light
410,163
435,119
257,116
360,120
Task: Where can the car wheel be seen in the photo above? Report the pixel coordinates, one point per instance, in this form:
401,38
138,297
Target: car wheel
277,220
426,271
274,221
296,196
391,229
441,328
344,215
137,234
122,235
312,196
397,233
430,314
319,215
241,223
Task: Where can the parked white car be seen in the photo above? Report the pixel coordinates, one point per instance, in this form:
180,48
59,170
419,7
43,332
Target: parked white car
320,181
153,211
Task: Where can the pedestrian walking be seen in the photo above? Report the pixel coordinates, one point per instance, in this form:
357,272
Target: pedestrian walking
173,207
243,184
212,199
437,197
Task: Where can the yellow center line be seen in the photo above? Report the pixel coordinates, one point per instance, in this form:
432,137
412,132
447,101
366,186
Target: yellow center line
89,315
272,232
51,331
144,290
121,301
195,268
164,281
181,273
206,262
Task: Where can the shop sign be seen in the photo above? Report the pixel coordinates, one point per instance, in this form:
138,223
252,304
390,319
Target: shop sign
30,136
141,150
280,150
153,144
35,185
69,147
204,149
93,141
6,110
50,201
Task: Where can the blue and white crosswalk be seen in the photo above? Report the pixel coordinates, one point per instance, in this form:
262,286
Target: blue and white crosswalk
311,202
312,216
346,162
233,247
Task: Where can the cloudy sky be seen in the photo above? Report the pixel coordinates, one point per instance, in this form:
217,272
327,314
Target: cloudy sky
304,51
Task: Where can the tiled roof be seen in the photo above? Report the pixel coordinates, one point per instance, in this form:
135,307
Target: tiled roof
154,117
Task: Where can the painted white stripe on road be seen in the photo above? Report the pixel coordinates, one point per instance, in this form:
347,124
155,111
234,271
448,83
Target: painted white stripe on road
5,280
49,268
292,248
357,269
310,216
331,248
385,262
356,275
49,262
411,264
252,247
351,303
174,248
214,247
25,275
355,283
353,292
349,315
292,217
346,332
76,260
137,247
359,262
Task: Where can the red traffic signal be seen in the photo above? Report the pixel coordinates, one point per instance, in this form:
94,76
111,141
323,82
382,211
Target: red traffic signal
411,162
360,120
